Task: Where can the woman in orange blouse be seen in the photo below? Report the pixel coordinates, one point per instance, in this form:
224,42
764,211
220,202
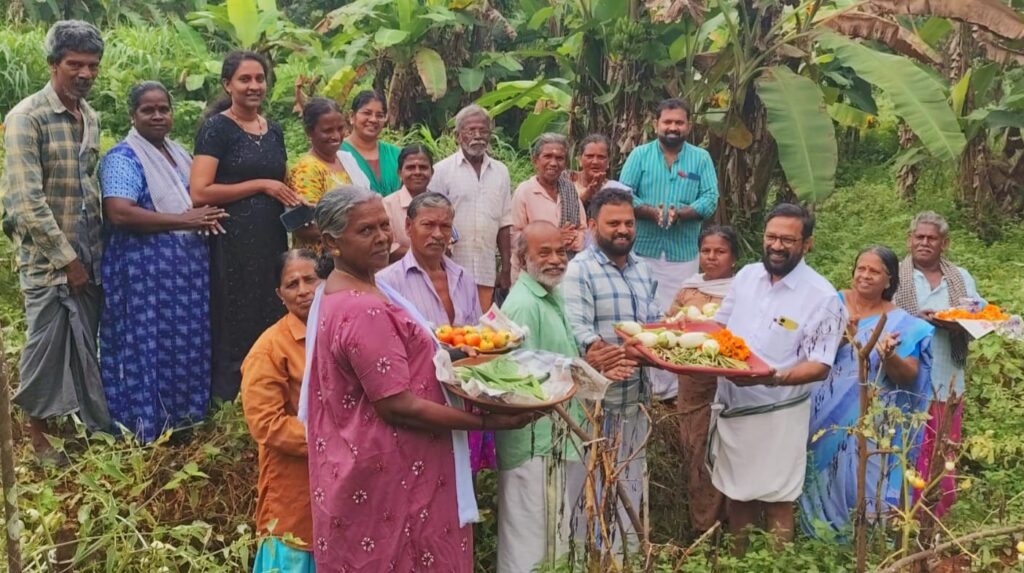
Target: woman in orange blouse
271,379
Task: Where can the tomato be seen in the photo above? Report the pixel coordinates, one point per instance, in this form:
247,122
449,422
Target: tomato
473,339
444,334
486,345
458,340
500,339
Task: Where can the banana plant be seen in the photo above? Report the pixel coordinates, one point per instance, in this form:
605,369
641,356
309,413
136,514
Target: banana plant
400,41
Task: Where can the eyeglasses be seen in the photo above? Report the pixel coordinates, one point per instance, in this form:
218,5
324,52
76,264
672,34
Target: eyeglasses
787,242
477,132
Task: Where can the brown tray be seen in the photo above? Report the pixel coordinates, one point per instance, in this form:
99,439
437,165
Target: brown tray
495,406
507,348
758,367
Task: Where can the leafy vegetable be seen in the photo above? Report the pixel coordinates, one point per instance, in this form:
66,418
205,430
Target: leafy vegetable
503,374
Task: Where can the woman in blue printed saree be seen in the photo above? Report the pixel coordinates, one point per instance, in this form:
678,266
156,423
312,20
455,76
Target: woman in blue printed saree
155,335
903,353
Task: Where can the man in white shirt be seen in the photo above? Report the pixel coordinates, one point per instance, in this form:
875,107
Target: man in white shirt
480,188
792,318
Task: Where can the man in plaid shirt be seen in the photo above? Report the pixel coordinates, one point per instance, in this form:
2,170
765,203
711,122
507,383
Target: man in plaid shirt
606,284
52,212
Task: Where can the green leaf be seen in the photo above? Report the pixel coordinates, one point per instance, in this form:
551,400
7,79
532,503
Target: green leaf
244,18
802,131
916,96
188,36
934,30
677,49
509,62
959,93
534,125
540,17
387,37
432,72
997,118
912,156
849,116
194,82
470,79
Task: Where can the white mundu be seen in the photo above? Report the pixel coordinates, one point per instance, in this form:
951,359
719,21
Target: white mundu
798,319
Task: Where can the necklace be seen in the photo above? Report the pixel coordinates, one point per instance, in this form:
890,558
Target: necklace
261,127
369,283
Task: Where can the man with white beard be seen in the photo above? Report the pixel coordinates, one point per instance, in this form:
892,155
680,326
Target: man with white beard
539,474
480,188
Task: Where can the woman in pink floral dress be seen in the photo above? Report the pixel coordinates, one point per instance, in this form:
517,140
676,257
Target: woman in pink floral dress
388,476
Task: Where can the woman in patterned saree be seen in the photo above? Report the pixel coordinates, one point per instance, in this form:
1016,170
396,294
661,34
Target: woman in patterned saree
900,373
323,167
155,340
388,462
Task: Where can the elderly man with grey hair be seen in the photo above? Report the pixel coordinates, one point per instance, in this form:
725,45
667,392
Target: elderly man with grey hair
550,196
480,188
52,212
437,286
929,282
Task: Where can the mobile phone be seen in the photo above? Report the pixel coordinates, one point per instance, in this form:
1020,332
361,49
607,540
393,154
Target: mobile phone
297,217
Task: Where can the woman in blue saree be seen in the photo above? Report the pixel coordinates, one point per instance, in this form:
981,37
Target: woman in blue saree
900,371
155,335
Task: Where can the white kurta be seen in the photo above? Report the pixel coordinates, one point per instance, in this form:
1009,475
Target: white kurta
798,319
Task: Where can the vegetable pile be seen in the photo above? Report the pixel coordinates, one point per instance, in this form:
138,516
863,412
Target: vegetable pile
502,374
991,312
484,338
721,349
706,312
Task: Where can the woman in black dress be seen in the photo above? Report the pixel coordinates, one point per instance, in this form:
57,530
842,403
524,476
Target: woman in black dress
240,164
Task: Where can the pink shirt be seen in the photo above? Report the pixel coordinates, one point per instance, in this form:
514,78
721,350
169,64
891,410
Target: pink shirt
383,496
396,205
531,202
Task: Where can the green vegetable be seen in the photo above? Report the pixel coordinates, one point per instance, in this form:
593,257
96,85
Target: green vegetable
696,357
503,374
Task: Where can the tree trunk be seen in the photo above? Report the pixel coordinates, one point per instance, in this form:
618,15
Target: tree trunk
907,176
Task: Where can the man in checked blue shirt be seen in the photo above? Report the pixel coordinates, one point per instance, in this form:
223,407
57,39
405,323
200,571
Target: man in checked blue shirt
676,189
605,284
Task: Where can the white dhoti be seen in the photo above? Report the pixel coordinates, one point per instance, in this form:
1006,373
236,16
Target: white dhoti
759,452
536,503
670,275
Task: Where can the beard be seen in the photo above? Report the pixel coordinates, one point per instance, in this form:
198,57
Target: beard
782,268
672,139
540,274
608,245
474,149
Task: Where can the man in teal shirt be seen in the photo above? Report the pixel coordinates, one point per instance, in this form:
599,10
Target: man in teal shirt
675,189
540,477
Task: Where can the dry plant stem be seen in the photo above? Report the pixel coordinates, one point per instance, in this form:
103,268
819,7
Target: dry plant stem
7,469
697,543
860,530
971,537
620,490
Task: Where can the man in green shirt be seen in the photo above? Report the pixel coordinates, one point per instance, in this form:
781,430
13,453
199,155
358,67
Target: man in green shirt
540,477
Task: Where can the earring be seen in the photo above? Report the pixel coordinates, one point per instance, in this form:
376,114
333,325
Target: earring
336,253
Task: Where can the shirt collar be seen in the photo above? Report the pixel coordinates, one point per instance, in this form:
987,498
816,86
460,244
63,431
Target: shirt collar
54,100
460,158
295,327
604,260
404,197
409,262
531,284
791,280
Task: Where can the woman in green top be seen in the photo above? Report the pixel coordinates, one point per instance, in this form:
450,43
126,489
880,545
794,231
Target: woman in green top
378,160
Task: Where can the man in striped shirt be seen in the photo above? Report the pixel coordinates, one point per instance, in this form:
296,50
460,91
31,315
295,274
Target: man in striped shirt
676,188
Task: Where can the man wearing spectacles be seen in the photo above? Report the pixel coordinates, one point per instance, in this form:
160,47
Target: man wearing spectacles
480,188
792,318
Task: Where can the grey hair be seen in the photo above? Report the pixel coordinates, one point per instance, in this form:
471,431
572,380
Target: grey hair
522,245
548,139
930,218
71,36
470,111
593,138
428,201
334,208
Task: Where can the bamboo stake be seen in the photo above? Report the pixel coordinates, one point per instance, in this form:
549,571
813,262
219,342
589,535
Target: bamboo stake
860,530
7,469
620,490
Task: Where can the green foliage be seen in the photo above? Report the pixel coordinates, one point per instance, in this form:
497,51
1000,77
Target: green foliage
802,130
